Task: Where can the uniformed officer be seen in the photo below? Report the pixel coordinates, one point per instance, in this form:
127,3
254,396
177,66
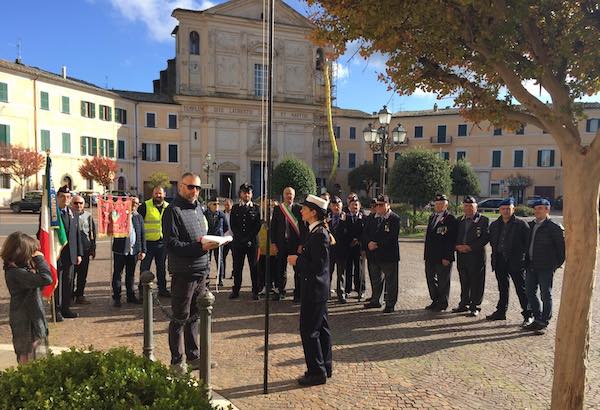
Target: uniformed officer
545,254
508,239
313,266
370,225
440,239
382,245
471,238
339,251
245,224
354,271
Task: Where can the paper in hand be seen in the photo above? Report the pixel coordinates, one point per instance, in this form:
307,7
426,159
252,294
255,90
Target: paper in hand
219,240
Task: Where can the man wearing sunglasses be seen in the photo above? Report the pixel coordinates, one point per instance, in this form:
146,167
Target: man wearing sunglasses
183,226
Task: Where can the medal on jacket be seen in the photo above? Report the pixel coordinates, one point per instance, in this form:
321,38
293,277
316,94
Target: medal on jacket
441,230
478,231
386,227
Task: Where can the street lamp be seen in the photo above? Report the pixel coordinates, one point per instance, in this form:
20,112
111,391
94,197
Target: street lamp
379,140
208,168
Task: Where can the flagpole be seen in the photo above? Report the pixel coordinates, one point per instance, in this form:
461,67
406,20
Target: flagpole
269,173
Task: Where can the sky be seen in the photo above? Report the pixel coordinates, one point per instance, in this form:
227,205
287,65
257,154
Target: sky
123,44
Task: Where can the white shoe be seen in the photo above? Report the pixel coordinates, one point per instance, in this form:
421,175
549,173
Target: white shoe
527,321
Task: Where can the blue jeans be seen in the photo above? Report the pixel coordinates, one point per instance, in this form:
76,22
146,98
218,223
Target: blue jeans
156,250
543,279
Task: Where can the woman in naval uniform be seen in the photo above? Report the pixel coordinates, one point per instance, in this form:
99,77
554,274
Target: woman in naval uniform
313,268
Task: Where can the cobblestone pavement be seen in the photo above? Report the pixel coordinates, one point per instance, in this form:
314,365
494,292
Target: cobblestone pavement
408,359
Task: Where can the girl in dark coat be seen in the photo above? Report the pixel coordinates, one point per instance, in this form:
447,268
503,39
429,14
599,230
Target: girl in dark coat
26,272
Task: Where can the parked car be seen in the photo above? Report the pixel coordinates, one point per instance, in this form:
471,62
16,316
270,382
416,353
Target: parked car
489,205
90,197
531,199
31,202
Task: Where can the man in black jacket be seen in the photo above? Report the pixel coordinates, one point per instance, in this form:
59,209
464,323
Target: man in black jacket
545,254
245,224
354,271
471,237
217,225
440,239
87,236
183,226
339,250
287,233
127,251
382,245
508,238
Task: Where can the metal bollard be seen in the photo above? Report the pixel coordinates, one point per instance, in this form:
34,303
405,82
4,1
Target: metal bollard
205,306
147,279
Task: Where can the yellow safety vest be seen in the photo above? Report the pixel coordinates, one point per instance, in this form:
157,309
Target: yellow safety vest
153,221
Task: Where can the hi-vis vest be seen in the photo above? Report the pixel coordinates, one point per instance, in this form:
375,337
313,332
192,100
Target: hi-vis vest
153,221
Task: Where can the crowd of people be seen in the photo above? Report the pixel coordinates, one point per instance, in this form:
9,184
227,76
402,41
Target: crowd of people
317,238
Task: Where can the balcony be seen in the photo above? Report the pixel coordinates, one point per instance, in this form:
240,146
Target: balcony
447,140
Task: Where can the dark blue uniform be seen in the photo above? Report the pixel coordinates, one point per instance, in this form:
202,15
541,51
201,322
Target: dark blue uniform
439,244
245,224
354,271
338,224
313,268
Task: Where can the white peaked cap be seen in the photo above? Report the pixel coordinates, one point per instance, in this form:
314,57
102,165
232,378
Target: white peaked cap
316,203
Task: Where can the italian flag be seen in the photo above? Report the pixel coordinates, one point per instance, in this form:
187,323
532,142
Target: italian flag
52,233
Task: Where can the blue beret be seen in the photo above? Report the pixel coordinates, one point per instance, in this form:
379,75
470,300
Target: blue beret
541,201
507,201
469,200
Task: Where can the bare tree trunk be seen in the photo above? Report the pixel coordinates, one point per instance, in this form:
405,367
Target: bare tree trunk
572,330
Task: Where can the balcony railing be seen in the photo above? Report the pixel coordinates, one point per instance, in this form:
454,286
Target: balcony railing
440,140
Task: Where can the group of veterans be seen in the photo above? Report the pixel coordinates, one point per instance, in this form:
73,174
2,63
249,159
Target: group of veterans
317,238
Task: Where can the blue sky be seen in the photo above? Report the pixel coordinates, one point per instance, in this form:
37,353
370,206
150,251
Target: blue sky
124,44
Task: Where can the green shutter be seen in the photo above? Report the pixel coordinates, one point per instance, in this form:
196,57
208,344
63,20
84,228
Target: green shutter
3,92
45,140
111,149
539,158
44,101
551,158
4,134
102,145
158,152
66,105
66,143
83,109
83,146
93,110
109,113
94,147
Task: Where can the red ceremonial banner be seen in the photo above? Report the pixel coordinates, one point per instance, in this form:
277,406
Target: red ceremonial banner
114,216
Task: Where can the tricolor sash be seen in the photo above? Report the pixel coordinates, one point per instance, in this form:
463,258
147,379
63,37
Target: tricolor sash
289,216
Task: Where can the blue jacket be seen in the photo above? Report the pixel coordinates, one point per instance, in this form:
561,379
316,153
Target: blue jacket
122,245
217,224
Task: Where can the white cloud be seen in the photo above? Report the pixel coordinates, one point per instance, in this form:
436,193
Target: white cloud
342,71
156,14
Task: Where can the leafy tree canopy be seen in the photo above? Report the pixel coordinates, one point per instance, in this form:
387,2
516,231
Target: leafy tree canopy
295,173
464,179
364,176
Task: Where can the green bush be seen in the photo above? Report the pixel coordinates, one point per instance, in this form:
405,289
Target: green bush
523,210
117,379
409,220
295,173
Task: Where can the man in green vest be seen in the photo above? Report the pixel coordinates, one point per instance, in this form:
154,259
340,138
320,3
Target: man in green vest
152,211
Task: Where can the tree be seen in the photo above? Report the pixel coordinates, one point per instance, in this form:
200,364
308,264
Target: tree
483,54
295,173
417,176
159,179
99,169
21,163
464,180
364,176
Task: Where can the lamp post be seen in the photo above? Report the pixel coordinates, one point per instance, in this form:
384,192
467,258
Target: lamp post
379,139
208,168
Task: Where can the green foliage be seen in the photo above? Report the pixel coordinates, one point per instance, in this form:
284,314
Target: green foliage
523,210
464,179
410,218
417,176
117,379
159,178
295,173
364,176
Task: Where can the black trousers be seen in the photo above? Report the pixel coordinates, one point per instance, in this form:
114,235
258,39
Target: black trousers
354,271
183,338
80,273
471,272
128,262
63,294
316,337
282,254
262,271
239,254
438,282
503,275
226,249
339,265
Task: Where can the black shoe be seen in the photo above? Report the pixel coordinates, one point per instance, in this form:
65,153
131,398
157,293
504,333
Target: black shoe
276,297
309,380
117,303
296,300
534,326
431,307
372,305
439,308
496,316
342,300
221,283
328,374
234,295
59,318
388,309
473,313
164,293
134,300
69,314
255,296
460,309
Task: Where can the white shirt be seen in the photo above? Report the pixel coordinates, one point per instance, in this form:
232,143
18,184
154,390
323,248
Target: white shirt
313,225
227,216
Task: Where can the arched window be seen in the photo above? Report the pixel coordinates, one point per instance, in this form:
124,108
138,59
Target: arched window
194,43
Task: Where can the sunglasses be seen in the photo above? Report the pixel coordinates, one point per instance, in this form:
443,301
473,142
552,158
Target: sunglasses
192,186
78,203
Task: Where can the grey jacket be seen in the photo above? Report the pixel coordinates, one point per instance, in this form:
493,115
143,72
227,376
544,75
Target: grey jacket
26,314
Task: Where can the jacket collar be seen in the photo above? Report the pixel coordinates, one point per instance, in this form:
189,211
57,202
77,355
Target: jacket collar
184,203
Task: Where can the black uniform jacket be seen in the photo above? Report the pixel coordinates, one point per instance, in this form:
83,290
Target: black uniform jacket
74,247
440,238
356,226
549,245
279,224
245,223
384,231
515,242
313,266
478,236
340,250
